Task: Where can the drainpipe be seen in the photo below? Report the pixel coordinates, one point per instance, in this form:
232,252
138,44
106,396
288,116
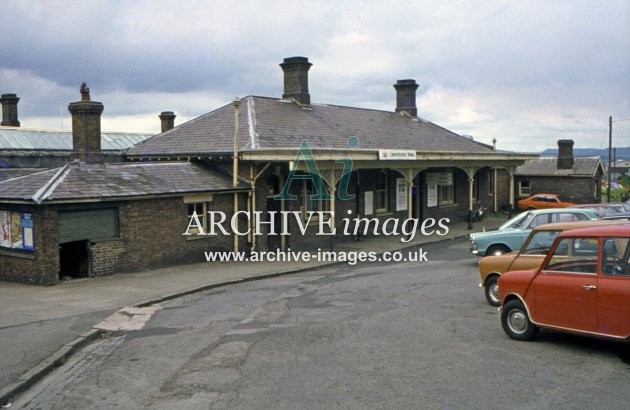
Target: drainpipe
252,179
237,103
251,207
494,191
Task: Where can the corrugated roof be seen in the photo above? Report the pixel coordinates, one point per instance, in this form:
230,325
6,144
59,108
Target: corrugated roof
271,123
78,181
548,166
16,138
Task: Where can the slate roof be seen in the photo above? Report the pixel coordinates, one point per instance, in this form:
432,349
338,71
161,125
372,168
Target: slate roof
16,138
78,181
271,124
548,166
8,173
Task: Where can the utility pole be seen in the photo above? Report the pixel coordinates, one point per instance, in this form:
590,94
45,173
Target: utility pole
609,157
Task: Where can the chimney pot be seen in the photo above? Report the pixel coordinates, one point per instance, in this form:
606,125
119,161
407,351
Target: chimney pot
167,120
565,154
9,110
86,128
85,92
406,96
296,79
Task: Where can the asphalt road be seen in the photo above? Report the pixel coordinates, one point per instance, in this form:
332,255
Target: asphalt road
383,336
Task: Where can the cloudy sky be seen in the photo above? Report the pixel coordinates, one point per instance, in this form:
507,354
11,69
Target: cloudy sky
526,73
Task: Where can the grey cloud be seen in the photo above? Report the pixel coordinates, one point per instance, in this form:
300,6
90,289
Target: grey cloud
359,49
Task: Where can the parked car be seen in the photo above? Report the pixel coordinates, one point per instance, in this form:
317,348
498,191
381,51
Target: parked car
511,237
530,256
543,201
583,286
603,210
619,216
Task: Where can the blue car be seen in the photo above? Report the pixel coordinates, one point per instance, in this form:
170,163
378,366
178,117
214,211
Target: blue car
511,235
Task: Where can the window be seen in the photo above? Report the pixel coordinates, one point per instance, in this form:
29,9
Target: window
539,220
441,188
200,209
574,255
199,204
524,188
446,194
615,254
540,242
380,193
569,217
446,191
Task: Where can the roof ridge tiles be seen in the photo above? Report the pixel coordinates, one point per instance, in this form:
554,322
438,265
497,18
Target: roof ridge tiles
251,122
45,191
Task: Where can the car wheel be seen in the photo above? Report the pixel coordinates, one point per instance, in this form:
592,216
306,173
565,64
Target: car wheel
492,291
515,321
497,250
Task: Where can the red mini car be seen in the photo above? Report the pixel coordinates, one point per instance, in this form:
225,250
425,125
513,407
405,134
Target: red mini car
583,286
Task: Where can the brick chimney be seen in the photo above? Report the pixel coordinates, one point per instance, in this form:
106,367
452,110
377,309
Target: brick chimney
296,79
86,128
565,154
167,119
9,110
406,96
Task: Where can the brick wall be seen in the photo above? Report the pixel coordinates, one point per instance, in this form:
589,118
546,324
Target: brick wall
104,256
151,233
572,189
503,190
150,237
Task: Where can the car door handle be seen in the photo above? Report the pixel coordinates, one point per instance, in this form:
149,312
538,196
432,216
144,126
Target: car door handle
589,287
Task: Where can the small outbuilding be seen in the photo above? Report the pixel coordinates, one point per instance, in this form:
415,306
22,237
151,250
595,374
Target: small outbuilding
90,218
575,179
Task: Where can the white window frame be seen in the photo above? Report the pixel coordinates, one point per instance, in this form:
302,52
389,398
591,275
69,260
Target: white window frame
199,203
524,191
381,192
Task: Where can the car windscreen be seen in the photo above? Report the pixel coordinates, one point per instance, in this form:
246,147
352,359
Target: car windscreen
540,242
517,221
574,255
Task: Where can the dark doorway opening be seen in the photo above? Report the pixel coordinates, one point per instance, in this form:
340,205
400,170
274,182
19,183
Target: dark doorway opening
73,260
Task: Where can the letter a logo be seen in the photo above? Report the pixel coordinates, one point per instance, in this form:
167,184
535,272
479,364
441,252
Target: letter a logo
305,153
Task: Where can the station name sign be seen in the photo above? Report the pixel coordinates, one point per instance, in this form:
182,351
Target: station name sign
396,154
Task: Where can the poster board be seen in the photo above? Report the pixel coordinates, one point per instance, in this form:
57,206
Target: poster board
26,220
432,196
5,229
16,230
368,204
401,194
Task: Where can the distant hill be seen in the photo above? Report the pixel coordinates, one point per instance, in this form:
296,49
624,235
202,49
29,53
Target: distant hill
621,153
